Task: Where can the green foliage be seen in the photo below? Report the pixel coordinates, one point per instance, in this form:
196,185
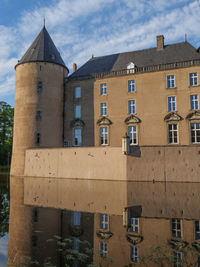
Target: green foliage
6,132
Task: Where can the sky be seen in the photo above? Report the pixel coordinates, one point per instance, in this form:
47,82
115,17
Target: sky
82,28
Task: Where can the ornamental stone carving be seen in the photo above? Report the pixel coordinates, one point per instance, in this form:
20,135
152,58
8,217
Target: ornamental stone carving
77,123
195,115
104,234
104,121
134,239
132,119
178,244
173,116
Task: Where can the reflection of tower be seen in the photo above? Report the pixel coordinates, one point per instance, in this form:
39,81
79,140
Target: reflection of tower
38,121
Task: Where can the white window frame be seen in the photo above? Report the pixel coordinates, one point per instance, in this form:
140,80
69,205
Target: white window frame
131,135
192,77
77,92
77,112
171,103
195,132
103,109
131,106
134,224
103,249
173,133
177,232
131,85
134,254
103,89
170,81
194,99
104,221
177,258
104,134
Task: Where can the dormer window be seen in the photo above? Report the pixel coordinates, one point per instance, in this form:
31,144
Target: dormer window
130,67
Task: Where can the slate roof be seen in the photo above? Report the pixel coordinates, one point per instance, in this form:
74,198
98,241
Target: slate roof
178,52
43,50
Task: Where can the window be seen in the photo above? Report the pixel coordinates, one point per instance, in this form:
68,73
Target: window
77,92
172,133
104,221
103,110
35,215
38,116
177,258
170,81
38,138
197,230
76,243
194,102
103,89
193,79
76,218
103,249
195,133
77,111
131,86
132,132
134,254
104,136
77,137
134,225
131,106
176,227
39,87
171,103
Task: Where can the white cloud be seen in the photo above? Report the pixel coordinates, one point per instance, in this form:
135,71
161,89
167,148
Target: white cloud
81,28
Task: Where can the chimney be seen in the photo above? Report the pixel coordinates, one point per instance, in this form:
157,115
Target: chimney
74,67
160,42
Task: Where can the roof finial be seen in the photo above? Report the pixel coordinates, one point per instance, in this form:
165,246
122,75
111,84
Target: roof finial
44,21
185,37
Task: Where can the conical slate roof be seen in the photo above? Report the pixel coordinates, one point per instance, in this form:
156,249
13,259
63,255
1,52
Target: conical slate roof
43,50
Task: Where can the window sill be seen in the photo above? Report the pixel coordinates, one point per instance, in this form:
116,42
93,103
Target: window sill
191,86
168,88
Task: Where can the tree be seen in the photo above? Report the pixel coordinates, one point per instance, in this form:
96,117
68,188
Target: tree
6,132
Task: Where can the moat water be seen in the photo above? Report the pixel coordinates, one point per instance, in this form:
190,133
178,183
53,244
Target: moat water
119,223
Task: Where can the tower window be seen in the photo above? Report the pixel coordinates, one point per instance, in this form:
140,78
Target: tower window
131,86
132,132
35,215
197,230
170,81
172,133
76,218
176,227
78,92
38,138
131,106
77,111
103,87
103,221
134,254
39,88
195,133
104,136
194,102
103,249
103,109
171,103
193,79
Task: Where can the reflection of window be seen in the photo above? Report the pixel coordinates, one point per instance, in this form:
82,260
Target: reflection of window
176,227
194,102
104,221
39,88
197,229
193,79
34,240
131,106
38,116
76,243
132,132
35,215
170,81
76,218
103,110
38,138
78,92
134,254
198,261
134,223
131,86
103,135
177,258
195,133
171,103
103,249
172,133
77,137
77,111
103,88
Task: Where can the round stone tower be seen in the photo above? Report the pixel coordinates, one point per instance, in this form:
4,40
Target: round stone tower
38,122
39,90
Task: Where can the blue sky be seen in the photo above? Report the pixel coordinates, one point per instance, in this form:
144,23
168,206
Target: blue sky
82,28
